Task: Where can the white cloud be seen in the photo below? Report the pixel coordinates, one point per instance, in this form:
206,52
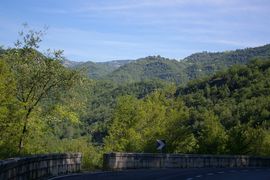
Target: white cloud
137,27
135,4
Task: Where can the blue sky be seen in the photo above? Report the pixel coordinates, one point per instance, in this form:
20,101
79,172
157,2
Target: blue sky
101,30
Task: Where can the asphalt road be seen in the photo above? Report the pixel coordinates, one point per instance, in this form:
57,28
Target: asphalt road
177,174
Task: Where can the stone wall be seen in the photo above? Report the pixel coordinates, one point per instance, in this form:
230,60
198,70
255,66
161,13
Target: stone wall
40,166
114,161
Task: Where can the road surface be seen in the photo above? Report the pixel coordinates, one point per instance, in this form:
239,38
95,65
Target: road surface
177,174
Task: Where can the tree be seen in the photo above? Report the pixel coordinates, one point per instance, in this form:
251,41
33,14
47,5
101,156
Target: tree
247,140
9,110
38,76
178,132
211,135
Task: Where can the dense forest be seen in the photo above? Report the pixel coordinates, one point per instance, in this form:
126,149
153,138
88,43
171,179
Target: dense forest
227,113
169,70
214,103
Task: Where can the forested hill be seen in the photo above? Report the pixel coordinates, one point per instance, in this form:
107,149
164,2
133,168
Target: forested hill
168,70
192,67
1,50
150,68
239,95
47,108
207,62
227,113
96,70
71,64
240,56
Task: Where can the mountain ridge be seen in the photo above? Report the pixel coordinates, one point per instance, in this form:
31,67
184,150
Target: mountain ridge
171,70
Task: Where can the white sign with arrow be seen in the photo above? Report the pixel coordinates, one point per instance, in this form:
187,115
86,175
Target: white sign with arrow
160,144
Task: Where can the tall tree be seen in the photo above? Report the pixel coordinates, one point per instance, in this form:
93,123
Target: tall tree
9,111
38,76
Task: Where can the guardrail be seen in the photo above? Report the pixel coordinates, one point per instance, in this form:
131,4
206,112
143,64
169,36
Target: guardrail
40,166
114,161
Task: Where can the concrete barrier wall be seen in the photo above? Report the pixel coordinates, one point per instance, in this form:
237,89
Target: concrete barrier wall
114,161
40,166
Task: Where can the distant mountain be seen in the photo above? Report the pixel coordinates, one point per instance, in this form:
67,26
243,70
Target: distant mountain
150,68
2,50
240,56
169,70
115,63
206,63
71,64
97,70
192,67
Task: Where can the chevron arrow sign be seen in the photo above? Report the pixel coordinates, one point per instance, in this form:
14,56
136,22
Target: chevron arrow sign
160,144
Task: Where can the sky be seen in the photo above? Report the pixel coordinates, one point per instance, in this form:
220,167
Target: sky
103,30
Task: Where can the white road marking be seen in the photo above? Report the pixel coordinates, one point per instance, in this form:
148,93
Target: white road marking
189,178
198,176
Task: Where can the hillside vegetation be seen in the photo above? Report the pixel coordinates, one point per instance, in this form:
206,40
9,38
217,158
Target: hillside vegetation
169,70
150,68
96,70
227,113
208,63
48,108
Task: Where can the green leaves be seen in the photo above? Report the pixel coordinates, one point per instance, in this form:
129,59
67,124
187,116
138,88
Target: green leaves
248,140
45,107
138,123
227,113
10,111
212,137
31,79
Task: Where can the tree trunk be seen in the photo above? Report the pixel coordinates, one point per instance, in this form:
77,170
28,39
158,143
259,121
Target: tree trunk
22,137
21,144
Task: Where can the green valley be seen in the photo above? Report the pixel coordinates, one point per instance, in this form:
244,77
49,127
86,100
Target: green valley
216,103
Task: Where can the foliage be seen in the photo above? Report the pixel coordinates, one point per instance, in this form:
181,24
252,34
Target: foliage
102,103
96,70
10,111
224,114
46,108
150,68
159,68
208,63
